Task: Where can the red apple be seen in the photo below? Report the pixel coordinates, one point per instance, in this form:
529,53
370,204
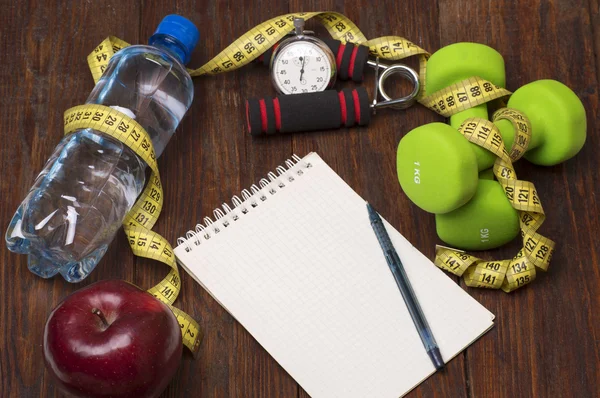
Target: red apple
112,339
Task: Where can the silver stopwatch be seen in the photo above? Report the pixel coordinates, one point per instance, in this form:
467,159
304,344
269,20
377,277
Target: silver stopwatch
302,64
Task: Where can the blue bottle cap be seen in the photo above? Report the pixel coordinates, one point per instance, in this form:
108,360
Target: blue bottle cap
181,29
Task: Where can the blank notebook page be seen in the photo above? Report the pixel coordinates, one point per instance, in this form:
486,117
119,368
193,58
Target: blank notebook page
304,273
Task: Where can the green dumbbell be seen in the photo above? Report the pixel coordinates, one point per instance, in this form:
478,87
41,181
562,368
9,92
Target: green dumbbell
460,61
558,122
449,65
487,221
487,174
438,167
438,152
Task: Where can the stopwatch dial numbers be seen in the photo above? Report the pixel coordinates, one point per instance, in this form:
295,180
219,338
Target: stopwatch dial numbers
301,68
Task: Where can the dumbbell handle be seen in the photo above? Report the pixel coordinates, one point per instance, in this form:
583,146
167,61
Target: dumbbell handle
350,58
308,112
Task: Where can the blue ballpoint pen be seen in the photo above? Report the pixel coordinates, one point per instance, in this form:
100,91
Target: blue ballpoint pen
405,288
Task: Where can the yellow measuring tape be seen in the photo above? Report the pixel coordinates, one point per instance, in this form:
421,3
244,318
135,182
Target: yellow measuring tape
256,41
145,212
508,274
537,250
463,95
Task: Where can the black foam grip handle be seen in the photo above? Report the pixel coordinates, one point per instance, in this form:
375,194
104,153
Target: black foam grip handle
350,58
334,45
308,112
360,61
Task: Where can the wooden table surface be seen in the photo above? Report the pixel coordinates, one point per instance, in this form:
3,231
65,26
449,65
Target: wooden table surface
547,335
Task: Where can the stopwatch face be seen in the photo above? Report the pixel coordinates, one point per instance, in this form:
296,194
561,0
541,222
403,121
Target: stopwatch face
302,67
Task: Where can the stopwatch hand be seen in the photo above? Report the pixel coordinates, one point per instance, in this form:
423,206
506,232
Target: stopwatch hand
302,68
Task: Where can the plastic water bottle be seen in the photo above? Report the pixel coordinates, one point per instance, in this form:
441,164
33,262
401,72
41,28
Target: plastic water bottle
81,197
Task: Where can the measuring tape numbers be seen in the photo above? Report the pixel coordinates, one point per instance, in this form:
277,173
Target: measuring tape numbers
537,250
252,44
463,95
506,274
144,214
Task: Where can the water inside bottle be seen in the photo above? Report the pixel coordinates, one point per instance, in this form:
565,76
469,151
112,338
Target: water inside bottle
91,181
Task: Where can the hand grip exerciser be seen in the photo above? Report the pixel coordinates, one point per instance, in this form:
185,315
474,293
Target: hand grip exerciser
323,110
328,109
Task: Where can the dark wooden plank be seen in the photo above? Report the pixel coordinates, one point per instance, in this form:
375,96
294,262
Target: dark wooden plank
548,325
44,47
366,157
544,330
210,159
595,25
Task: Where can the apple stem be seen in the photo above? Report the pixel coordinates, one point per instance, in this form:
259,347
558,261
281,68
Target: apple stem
96,311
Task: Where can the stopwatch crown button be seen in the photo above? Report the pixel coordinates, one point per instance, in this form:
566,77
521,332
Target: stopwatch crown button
299,25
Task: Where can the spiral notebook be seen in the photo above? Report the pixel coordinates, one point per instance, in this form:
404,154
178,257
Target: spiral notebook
296,262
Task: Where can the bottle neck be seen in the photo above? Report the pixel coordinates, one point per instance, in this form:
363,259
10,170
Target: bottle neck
171,46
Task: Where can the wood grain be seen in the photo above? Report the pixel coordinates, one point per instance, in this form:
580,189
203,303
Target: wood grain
545,342
595,26
535,332
365,157
44,72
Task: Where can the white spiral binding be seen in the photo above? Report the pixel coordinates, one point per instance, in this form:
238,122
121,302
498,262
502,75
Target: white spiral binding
226,215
